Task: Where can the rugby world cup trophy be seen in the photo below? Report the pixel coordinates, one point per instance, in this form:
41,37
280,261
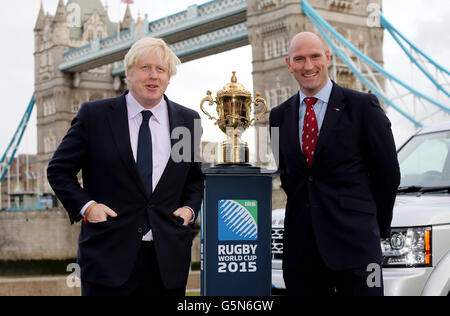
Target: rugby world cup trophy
234,108
237,207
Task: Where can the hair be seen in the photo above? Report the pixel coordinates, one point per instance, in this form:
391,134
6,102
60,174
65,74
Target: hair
150,45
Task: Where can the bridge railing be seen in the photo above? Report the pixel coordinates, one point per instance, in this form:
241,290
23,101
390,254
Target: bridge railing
196,15
116,39
192,17
97,45
234,33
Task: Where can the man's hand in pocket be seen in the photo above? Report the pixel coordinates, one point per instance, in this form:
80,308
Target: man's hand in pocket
184,213
98,213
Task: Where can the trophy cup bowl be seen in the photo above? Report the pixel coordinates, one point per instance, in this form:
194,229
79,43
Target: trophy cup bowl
234,107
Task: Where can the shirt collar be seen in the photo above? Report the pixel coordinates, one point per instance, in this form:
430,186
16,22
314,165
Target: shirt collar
135,109
323,95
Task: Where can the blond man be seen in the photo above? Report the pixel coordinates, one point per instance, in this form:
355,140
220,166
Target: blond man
136,201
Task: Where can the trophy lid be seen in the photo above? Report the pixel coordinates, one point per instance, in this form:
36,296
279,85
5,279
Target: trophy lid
233,89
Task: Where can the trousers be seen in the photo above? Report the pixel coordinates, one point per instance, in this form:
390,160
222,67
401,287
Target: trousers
314,278
145,279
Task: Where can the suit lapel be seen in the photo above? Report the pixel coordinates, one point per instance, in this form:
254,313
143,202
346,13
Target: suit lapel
293,116
335,109
175,120
118,120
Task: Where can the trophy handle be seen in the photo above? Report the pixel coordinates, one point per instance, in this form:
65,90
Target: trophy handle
211,102
258,99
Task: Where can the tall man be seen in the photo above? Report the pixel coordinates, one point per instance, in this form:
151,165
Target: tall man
340,172
137,200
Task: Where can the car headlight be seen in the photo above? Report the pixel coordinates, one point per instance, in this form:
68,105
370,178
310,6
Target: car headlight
407,247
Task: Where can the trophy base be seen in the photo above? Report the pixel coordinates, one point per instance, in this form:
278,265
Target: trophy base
230,154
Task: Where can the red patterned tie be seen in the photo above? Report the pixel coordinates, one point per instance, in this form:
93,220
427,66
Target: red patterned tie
310,133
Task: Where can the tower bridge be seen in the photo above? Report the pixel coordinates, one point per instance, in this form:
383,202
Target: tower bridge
199,31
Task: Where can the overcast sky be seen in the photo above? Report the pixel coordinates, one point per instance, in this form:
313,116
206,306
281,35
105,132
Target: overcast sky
426,23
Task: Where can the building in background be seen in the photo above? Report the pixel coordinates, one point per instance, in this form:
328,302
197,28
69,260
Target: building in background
19,188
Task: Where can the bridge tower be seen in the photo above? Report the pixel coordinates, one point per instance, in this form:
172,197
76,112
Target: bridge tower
59,95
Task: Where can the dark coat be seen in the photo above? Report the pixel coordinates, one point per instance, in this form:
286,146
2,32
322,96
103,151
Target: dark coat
98,143
348,195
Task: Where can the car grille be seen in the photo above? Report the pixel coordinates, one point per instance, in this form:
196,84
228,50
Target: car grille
277,243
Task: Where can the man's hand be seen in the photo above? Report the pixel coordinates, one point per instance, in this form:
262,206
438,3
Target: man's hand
185,214
98,213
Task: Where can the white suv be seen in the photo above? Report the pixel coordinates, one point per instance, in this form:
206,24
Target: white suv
417,256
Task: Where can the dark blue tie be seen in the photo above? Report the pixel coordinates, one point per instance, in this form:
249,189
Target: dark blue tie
144,153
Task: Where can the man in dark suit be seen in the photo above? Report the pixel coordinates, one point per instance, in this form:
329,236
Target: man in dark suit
138,198
340,172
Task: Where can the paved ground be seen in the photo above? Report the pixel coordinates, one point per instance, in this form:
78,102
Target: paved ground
57,286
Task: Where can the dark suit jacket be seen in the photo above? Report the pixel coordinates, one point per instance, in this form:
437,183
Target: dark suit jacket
98,143
348,194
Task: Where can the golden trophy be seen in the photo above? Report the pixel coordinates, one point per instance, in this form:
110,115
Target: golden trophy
234,107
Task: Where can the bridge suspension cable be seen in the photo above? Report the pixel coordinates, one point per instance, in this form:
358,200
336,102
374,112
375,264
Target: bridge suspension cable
418,60
367,70
10,152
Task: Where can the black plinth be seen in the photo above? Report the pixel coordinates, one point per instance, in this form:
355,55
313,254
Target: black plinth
236,231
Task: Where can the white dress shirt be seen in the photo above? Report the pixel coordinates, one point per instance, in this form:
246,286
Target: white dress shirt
160,130
161,144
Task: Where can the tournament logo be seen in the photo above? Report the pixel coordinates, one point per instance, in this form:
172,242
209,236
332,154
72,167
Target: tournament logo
238,220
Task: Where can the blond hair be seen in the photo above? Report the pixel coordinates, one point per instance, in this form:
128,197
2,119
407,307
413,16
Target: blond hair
150,45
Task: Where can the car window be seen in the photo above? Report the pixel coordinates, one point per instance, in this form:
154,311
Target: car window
425,160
